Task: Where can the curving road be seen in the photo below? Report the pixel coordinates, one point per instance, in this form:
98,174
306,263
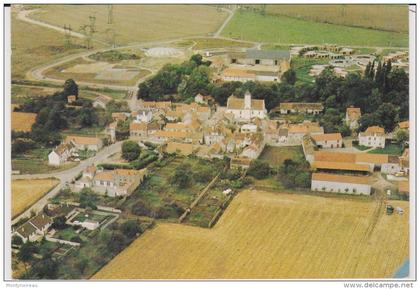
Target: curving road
65,177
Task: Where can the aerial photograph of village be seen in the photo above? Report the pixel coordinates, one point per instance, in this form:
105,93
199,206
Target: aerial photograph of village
218,141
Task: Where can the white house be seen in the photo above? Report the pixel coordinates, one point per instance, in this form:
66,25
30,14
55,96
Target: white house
328,140
118,182
34,228
144,115
343,184
60,154
247,108
101,101
249,128
374,136
253,151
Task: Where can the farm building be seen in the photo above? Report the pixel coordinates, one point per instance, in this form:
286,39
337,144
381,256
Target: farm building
404,187
340,167
261,57
353,115
296,132
374,136
143,115
342,184
328,140
34,228
162,136
23,121
101,101
60,154
84,142
118,182
247,108
299,107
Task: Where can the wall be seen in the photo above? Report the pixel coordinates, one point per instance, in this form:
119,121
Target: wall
340,187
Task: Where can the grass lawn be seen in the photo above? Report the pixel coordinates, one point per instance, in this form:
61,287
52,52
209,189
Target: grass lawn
27,192
360,147
157,22
391,149
302,66
286,30
275,156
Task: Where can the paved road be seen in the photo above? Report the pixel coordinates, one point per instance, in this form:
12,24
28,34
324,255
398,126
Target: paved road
65,177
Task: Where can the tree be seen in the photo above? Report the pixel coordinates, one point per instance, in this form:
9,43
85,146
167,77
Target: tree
289,77
87,117
402,136
26,251
70,88
131,228
182,176
116,242
387,115
59,223
16,240
83,264
259,169
87,198
130,150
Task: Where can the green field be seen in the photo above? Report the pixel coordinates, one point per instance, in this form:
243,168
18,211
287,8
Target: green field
302,66
286,30
137,23
391,149
381,17
208,43
275,156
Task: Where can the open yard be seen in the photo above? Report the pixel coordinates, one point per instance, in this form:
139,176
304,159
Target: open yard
390,148
286,30
275,156
266,235
27,192
157,22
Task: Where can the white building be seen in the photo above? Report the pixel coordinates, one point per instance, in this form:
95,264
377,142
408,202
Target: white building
84,142
60,154
342,184
144,116
374,136
101,101
247,108
249,128
35,228
328,140
353,115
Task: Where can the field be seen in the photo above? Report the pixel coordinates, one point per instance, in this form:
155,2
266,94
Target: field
209,43
157,22
381,17
303,66
275,156
265,235
33,45
27,192
391,149
23,121
285,30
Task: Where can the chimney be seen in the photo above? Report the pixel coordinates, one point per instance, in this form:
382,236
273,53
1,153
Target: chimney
247,100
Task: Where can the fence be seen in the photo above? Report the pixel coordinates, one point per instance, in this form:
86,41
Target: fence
54,240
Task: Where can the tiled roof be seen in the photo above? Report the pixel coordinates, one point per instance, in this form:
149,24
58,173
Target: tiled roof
327,137
375,129
301,105
235,72
26,229
239,103
404,124
83,140
341,178
371,158
341,166
40,221
327,156
404,187
105,176
305,128
267,54
171,134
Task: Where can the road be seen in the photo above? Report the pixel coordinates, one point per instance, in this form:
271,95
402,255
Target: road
65,177
231,13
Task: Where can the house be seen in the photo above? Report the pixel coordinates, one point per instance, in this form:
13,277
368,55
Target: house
117,116
340,167
353,115
328,140
162,136
249,128
144,115
404,187
84,142
386,164
173,115
404,124
178,126
215,134
262,57
240,162
155,105
203,99
118,182
299,107
111,130
295,132
374,136
343,184
143,130
253,151
86,180
34,228
71,99
60,154
87,224
247,108
101,101
185,149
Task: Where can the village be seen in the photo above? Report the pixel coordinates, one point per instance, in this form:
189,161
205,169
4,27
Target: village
124,142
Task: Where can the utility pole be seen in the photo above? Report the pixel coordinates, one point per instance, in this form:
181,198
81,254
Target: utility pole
110,14
92,20
67,36
88,33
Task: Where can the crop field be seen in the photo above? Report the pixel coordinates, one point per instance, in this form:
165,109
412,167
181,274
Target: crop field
33,45
275,156
27,192
209,43
381,17
286,30
266,235
157,22
23,121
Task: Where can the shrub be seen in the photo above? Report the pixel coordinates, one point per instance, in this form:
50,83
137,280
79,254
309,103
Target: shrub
131,228
130,150
259,169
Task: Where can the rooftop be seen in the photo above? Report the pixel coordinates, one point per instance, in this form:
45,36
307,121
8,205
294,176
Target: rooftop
327,137
267,54
82,140
333,165
341,178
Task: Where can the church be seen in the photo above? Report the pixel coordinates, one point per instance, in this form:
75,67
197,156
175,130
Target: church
246,109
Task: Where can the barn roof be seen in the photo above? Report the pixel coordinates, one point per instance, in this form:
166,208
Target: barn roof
267,54
340,178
